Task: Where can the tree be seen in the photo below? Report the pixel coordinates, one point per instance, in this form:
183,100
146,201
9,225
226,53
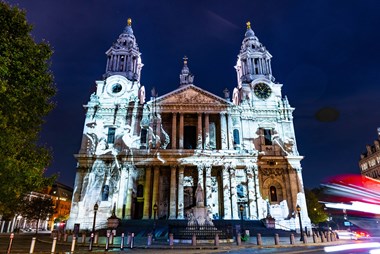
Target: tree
37,208
315,209
26,91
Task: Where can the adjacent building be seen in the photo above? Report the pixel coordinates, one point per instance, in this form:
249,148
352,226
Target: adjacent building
240,150
369,162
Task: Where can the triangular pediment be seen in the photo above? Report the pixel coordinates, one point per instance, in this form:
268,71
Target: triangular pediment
191,95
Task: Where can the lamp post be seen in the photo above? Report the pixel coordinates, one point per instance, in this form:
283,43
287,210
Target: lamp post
155,208
241,208
299,217
96,206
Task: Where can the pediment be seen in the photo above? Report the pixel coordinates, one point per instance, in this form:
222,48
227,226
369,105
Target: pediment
191,95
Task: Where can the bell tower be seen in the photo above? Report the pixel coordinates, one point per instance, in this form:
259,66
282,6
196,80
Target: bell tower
123,58
253,60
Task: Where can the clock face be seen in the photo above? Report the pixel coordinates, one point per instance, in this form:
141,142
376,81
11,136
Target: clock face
262,91
116,88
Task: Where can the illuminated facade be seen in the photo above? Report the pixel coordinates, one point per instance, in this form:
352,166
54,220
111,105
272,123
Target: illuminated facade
136,154
369,162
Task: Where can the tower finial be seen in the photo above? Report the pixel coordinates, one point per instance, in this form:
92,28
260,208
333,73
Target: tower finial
129,21
185,60
248,25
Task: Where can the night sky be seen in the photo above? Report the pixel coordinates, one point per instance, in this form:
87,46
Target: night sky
325,53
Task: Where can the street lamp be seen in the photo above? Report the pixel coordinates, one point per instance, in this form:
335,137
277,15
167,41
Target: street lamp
155,208
241,208
299,217
96,206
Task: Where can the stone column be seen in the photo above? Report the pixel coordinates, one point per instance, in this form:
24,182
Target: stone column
129,195
173,190
199,132
134,116
230,133
251,193
207,132
235,209
226,193
180,211
259,199
223,130
174,131
156,180
208,187
123,183
181,130
147,193
200,167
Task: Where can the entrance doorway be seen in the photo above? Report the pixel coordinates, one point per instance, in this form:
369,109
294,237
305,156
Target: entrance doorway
190,141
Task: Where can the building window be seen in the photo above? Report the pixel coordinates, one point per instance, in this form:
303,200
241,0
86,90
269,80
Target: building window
267,137
143,136
111,136
105,193
236,139
273,194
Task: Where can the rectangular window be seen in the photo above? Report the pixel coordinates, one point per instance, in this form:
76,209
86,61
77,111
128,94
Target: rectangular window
111,136
268,137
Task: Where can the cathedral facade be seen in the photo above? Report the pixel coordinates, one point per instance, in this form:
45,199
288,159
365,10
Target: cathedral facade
142,159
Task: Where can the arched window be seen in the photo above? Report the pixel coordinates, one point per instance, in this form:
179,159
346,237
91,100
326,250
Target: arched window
105,192
273,194
143,136
236,139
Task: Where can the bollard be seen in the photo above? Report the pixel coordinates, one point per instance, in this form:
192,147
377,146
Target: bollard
304,238
111,239
129,239
73,244
132,240
33,243
194,240
91,242
259,240
276,239
96,238
83,240
328,236
122,241
10,243
322,237
238,239
107,241
314,238
149,241
292,239
331,237
65,237
53,245
171,239
216,241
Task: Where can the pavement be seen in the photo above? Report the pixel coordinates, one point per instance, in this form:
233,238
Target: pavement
163,244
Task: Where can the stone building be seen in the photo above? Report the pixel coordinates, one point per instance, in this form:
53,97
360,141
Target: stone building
369,162
136,154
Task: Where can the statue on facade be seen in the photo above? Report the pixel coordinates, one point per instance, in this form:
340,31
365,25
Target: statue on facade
199,196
